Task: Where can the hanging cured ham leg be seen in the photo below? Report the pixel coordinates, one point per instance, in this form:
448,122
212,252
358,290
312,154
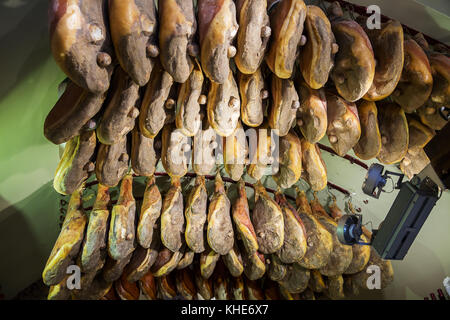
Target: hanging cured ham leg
242,221
416,82
394,133
68,244
312,114
150,212
94,250
188,118
172,217
290,164
217,29
253,96
268,221
369,145
76,163
122,230
120,109
315,171
354,68
196,214
81,42
294,245
72,114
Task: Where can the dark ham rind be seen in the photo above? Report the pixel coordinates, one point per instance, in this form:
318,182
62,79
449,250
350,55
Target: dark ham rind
354,68
286,20
72,113
416,83
388,47
120,109
317,56
242,222
295,243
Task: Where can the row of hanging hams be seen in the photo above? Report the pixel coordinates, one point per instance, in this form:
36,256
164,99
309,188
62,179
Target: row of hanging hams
147,75
206,244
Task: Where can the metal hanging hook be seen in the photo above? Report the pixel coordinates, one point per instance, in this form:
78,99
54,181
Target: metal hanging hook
315,196
367,223
349,205
332,196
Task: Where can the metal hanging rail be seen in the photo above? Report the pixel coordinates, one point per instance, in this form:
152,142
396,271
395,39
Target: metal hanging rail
225,179
361,10
352,160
